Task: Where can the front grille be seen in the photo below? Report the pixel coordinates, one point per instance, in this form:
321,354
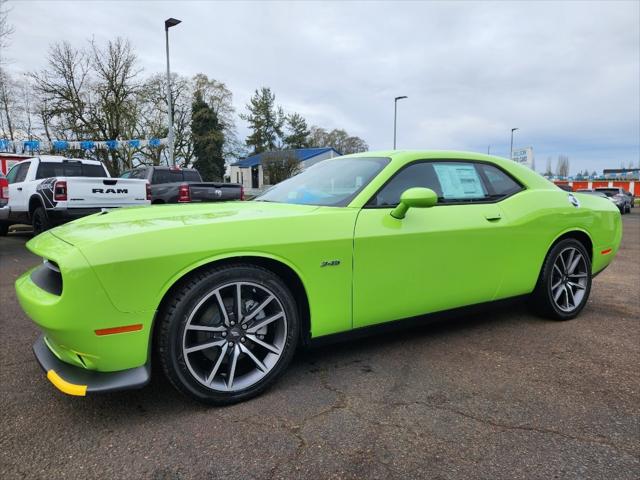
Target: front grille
48,277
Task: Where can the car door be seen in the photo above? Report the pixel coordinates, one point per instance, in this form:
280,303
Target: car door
436,258
18,195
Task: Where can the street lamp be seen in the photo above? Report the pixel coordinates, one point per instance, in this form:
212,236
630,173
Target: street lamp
511,149
395,117
168,23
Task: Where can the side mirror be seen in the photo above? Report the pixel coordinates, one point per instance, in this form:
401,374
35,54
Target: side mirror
416,197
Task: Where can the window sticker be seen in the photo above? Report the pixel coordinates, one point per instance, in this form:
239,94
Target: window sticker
459,181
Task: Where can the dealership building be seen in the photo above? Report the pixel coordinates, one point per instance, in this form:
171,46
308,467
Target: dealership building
250,174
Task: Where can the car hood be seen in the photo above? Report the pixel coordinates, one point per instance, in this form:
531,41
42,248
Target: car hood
127,221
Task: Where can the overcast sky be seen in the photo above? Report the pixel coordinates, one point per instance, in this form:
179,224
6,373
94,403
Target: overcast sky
566,73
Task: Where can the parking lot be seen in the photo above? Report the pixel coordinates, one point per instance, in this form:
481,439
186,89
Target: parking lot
502,394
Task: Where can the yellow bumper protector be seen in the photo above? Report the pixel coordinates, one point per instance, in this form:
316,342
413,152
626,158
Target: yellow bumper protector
64,386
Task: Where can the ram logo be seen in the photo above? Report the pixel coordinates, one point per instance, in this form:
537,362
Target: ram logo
110,190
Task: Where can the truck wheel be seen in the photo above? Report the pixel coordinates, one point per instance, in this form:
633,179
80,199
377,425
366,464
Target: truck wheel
40,221
4,229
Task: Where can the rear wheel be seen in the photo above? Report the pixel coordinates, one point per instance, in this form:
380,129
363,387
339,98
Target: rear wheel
4,229
565,281
40,221
228,333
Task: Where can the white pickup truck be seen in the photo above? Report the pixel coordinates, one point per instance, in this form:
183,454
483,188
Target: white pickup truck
49,190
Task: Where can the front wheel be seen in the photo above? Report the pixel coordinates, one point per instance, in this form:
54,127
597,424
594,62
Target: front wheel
565,281
227,333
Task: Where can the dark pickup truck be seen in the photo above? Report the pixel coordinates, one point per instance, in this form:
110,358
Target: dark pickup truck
183,185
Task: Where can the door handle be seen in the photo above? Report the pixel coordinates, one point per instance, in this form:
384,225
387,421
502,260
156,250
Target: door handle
19,189
493,217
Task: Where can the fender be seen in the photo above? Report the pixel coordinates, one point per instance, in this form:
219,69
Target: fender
229,256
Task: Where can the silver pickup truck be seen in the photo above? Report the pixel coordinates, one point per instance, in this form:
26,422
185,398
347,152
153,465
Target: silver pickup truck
183,185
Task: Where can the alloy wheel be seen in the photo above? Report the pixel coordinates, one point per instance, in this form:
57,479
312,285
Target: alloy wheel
569,279
234,336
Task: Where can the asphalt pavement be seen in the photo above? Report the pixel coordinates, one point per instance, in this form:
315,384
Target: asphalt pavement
497,395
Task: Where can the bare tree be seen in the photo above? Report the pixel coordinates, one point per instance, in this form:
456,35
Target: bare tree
549,170
8,94
6,30
562,167
90,94
338,139
279,165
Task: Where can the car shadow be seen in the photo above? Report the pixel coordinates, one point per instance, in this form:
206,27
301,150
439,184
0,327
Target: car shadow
160,398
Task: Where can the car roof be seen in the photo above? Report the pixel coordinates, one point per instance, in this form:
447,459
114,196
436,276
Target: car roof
398,158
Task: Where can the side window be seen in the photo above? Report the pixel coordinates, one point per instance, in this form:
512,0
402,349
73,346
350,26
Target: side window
453,182
18,173
460,182
11,175
416,175
500,184
160,176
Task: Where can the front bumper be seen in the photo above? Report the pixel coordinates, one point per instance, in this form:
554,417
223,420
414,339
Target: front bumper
81,325
79,381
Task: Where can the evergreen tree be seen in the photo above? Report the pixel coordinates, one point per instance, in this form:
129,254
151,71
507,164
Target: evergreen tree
298,132
266,120
208,140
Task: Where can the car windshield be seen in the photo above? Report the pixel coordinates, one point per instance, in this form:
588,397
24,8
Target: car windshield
333,182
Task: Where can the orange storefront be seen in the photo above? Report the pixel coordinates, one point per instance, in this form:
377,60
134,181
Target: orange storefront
632,186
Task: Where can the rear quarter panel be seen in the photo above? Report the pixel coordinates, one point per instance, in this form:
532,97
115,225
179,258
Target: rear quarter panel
538,217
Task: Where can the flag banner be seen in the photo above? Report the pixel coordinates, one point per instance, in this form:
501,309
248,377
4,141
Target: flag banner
54,146
30,145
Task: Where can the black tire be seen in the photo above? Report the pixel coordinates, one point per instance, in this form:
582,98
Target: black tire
40,221
4,229
542,298
186,300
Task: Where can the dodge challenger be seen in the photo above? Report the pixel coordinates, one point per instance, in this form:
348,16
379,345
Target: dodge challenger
219,296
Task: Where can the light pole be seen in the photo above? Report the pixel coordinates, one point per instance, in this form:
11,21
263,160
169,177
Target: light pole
168,23
511,148
395,117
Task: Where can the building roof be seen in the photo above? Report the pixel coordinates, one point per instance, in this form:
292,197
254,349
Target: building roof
301,153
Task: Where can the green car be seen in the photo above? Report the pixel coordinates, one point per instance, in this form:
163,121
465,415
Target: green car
221,295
